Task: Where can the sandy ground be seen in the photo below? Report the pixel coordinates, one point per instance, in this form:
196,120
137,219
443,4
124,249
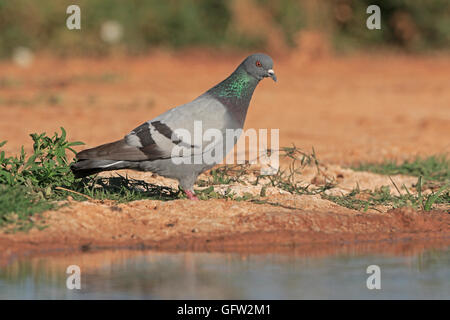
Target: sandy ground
350,109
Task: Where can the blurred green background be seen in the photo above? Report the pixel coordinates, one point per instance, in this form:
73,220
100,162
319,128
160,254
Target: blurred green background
135,26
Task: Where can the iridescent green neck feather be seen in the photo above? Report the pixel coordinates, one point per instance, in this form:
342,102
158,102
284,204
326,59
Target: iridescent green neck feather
235,92
236,85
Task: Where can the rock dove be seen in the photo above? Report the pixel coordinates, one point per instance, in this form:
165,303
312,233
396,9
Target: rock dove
150,147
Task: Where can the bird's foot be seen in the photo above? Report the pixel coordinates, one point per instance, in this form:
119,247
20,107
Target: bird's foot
191,195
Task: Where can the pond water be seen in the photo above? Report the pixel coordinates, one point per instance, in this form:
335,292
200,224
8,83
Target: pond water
125,274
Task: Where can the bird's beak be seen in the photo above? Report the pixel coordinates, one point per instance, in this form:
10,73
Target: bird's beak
271,73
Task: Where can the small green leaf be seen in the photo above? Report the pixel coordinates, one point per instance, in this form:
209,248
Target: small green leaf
433,197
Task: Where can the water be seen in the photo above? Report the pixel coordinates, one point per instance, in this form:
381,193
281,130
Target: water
289,275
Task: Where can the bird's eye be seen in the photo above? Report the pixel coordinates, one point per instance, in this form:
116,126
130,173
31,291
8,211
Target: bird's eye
258,63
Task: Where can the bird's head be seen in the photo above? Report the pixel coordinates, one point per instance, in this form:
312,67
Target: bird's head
260,66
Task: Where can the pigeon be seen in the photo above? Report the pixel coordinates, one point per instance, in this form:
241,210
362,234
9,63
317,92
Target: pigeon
150,147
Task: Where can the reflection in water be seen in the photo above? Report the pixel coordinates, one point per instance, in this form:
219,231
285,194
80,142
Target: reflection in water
155,275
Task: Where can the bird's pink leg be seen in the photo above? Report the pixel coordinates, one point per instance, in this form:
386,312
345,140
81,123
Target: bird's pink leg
191,195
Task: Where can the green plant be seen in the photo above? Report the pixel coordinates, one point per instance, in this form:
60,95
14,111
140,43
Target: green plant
370,199
19,206
426,202
28,183
46,167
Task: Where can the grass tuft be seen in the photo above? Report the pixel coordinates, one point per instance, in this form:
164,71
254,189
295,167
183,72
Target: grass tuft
363,200
434,168
20,208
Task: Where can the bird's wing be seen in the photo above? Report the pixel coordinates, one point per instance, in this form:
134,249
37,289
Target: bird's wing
156,138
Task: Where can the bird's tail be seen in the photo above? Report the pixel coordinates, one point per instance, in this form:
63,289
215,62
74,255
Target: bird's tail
84,168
